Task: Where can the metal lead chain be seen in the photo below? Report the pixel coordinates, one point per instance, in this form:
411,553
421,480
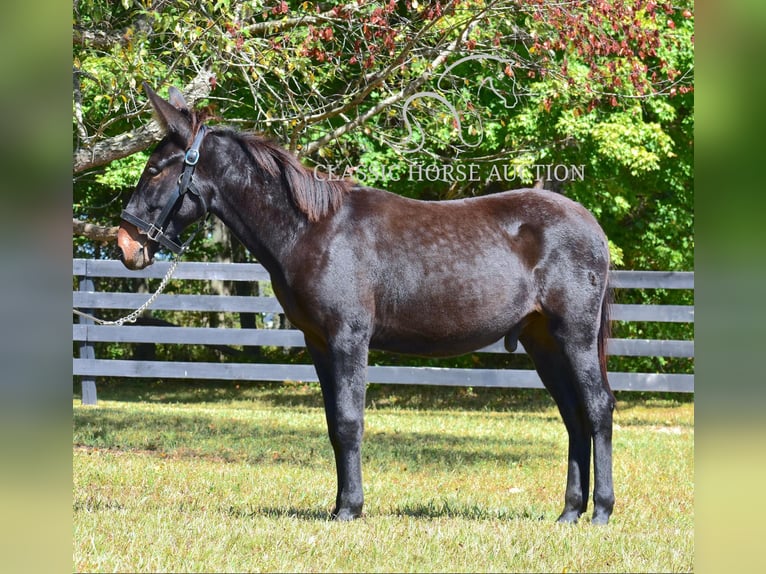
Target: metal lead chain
131,317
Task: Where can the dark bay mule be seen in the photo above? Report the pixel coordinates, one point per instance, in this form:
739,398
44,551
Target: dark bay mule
358,268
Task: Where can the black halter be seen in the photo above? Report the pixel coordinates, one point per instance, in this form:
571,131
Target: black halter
156,231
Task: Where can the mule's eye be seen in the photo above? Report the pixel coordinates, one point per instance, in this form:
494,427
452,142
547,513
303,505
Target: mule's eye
153,170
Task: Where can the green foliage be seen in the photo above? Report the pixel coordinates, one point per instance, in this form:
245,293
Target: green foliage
123,173
605,86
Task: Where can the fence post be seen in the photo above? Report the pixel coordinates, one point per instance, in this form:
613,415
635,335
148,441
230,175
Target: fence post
87,350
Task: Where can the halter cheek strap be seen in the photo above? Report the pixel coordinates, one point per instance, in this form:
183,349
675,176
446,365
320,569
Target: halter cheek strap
156,231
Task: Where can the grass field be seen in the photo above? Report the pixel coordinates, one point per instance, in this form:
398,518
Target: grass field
216,477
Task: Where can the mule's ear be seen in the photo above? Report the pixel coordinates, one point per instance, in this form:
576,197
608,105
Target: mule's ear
177,99
173,115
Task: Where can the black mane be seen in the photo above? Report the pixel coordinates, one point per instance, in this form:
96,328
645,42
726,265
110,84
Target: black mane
312,192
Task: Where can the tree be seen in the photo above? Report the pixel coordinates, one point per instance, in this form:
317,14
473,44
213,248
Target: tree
377,89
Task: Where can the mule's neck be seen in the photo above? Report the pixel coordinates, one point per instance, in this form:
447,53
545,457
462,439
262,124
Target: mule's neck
254,205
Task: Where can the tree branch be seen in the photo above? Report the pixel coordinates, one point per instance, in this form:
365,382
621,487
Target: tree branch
123,145
97,38
377,79
94,232
116,147
408,90
273,26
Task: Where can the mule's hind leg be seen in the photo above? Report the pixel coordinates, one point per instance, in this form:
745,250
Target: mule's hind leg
598,403
578,340
551,364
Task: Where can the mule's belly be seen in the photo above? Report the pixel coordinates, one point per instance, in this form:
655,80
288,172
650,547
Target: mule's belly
429,343
422,348
449,316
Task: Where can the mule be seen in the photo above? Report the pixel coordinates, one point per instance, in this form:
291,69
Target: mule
357,268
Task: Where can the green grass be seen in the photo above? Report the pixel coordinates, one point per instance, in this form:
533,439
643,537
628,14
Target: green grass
212,477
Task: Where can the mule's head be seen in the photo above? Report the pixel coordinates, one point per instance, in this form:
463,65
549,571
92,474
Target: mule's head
171,193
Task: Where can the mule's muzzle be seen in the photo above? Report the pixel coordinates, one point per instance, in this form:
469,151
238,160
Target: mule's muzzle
136,249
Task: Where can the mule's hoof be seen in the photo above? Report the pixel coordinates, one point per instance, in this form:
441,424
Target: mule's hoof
345,515
600,518
569,517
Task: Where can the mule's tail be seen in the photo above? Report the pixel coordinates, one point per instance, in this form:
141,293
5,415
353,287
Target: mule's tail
605,331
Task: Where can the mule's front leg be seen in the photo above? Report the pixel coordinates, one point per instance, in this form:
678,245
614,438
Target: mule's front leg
342,371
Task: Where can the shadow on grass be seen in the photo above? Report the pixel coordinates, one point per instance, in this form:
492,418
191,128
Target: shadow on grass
446,509
307,514
403,397
275,440
194,435
427,510
309,395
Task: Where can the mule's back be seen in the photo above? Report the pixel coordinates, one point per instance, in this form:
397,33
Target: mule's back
446,278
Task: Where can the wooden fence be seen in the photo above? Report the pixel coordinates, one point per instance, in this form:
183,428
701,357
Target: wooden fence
88,366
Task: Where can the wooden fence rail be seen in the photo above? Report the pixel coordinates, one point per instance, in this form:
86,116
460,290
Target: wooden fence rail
87,334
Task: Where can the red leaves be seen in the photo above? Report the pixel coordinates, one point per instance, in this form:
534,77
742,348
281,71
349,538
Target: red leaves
315,45
617,39
434,11
280,8
378,18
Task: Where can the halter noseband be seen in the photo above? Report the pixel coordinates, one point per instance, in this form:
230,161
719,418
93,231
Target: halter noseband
156,231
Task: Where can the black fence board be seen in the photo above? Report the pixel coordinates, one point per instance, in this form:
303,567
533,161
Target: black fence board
294,338
189,335
505,378
185,270
657,313
255,272
252,304
172,302
652,279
